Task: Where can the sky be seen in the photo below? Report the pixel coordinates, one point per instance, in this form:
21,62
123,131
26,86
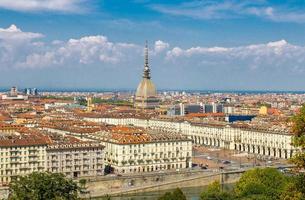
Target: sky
193,44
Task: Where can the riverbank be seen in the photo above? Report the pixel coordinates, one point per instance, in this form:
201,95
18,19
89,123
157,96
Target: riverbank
119,186
191,193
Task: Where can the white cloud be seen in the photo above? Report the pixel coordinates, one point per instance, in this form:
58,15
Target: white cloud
279,55
23,49
15,44
225,9
14,33
19,49
160,46
177,52
44,5
84,51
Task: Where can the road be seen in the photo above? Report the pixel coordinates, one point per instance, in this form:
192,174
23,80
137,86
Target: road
215,158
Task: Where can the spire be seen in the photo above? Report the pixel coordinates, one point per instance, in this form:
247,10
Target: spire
146,72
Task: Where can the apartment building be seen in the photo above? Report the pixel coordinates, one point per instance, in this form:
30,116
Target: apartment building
135,150
28,151
21,156
75,159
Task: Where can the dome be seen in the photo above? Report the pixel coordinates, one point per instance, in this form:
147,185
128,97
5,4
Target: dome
146,94
146,88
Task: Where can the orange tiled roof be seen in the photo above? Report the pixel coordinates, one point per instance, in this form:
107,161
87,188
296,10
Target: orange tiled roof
25,140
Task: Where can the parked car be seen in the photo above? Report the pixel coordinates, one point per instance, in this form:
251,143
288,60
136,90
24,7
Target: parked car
226,162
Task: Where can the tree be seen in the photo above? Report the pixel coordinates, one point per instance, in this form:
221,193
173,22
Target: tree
107,197
295,189
214,192
298,141
43,185
299,181
257,183
177,194
166,196
291,193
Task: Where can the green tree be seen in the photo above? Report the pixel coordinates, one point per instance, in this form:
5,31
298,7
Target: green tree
214,192
299,181
166,196
265,183
177,194
298,130
107,197
291,193
43,185
295,189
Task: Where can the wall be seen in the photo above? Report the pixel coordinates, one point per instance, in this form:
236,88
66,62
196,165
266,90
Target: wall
155,182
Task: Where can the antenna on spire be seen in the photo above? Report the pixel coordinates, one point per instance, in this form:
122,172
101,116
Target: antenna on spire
146,73
146,54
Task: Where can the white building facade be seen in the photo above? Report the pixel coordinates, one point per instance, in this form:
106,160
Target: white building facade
20,160
261,142
148,156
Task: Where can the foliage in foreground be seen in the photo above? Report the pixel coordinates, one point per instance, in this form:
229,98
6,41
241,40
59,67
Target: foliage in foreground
43,185
177,194
298,130
260,184
214,191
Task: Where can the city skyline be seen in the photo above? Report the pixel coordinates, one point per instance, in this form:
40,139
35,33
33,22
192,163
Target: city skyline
196,45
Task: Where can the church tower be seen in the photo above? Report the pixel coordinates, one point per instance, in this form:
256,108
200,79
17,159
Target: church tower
146,94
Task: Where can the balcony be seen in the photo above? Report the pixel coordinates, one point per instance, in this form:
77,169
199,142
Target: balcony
14,151
24,168
15,161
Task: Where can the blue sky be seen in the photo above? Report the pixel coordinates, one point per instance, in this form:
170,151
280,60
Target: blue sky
224,45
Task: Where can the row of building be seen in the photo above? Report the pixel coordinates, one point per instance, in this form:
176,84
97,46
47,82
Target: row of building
269,143
130,149
85,149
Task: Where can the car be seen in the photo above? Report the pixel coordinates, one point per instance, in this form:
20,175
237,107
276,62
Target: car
194,165
209,158
226,162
